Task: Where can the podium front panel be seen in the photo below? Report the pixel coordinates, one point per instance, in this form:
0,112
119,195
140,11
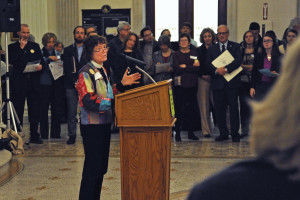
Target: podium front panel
145,163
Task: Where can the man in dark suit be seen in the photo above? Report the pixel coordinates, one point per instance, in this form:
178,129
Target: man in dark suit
26,85
225,93
73,61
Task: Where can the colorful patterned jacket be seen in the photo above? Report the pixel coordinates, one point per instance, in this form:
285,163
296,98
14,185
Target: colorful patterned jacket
95,95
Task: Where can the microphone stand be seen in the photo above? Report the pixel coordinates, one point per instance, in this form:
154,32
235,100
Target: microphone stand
11,112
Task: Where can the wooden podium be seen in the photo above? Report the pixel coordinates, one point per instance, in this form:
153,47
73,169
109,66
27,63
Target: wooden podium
145,116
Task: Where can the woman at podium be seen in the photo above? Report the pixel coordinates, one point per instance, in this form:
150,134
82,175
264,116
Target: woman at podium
95,97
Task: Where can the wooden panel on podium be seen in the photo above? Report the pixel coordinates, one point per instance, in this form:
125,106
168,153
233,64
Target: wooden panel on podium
145,120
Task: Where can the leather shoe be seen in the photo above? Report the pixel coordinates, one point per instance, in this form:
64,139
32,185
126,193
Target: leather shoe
71,140
221,138
36,141
235,138
191,136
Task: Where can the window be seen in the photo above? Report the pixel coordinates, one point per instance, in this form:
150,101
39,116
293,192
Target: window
166,17
205,16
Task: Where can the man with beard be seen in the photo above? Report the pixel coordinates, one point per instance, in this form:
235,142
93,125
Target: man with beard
73,61
26,85
147,47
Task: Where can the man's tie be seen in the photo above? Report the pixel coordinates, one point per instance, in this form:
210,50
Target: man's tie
223,48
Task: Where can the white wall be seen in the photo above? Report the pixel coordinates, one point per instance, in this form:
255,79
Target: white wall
46,15
280,13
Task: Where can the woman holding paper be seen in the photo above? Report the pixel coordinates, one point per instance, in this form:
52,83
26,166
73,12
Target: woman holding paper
268,60
186,68
52,91
163,60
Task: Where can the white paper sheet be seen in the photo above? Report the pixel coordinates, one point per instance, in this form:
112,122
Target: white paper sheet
223,60
31,66
56,69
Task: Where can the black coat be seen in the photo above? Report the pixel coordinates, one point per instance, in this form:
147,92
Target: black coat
218,81
19,58
258,63
71,54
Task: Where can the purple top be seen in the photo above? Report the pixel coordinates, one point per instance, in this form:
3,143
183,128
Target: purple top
267,65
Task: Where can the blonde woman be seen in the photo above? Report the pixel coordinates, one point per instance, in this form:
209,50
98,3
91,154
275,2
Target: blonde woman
275,138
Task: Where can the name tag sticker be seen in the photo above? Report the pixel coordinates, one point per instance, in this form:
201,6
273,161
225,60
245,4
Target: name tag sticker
193,57
98,76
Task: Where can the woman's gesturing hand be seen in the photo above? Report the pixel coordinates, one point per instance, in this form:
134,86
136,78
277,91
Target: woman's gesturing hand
130,79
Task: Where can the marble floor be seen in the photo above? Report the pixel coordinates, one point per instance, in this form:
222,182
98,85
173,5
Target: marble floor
53,170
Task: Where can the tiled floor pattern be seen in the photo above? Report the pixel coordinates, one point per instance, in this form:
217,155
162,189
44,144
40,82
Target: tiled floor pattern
53,170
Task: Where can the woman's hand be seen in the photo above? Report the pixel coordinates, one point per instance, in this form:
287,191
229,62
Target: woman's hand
131,79
274,73
39,67
196,64
252,92
247,67
53,58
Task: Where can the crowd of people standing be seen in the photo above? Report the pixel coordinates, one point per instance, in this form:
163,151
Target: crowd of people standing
200,90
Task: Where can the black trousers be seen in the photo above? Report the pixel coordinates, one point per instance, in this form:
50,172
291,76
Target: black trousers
186,108
55,96
222,99
261,90
245,110
96,143
31,93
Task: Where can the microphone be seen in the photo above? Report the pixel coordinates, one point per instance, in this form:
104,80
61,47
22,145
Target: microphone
139,63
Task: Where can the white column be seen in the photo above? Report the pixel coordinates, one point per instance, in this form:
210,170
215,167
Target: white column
34,13
137,16
67,19
232,19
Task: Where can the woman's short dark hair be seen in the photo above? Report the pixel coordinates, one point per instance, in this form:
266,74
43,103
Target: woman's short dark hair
182,35
207,30
136,45
89,45
164,40
47,37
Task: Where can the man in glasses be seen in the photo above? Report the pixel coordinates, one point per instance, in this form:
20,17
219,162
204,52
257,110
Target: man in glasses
73,61
225,93
148,46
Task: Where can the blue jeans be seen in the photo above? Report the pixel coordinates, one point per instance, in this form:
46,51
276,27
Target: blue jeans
72,104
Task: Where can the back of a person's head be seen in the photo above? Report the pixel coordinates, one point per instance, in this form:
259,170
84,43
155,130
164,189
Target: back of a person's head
254,26
275,132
